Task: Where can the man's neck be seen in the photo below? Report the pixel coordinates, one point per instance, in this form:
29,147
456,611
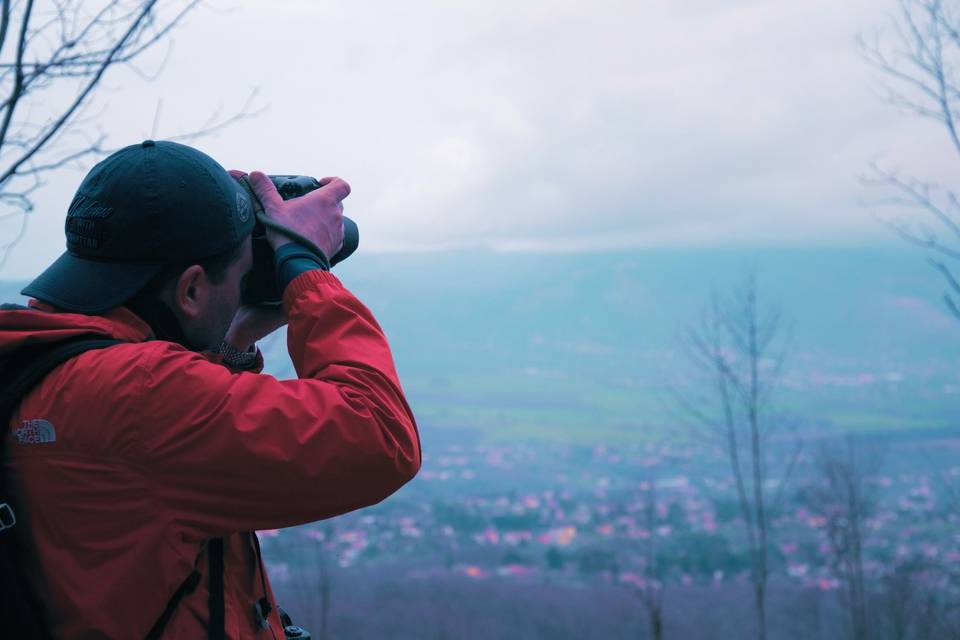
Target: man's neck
161,319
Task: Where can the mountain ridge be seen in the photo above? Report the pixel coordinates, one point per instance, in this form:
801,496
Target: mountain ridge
517,344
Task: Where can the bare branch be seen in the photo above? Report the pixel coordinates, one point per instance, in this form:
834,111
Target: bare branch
6,247
788,474
94,149
213,125
12,169
4,22
924,32
927,241
919,194
71,45
17,92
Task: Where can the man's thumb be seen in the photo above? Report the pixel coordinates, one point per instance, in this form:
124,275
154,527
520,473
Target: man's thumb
265,190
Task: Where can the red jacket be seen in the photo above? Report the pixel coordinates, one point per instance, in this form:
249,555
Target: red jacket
156,449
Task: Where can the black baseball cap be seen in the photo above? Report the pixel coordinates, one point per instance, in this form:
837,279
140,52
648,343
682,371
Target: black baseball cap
137,211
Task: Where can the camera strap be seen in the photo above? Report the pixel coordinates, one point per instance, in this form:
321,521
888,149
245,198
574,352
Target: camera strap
269,223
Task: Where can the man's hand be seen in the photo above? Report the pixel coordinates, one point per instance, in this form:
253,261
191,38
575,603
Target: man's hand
253,323
317,215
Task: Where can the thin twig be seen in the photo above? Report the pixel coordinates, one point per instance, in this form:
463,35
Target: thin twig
12,169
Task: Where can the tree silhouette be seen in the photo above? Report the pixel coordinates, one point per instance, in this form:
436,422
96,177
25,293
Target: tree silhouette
53,58
736,352
918,58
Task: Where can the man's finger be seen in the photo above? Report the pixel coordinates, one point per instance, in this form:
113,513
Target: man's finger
265,190
336,188
236,174
343,238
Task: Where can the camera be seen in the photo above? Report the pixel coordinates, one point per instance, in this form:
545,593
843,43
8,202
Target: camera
262,288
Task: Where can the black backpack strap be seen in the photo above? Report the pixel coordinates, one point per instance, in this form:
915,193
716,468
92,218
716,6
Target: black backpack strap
188,586
21,611
217,621
19,373
29,365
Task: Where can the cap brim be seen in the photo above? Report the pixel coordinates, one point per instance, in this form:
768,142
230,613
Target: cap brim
89,286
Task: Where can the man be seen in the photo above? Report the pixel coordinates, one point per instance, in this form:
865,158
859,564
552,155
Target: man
128,464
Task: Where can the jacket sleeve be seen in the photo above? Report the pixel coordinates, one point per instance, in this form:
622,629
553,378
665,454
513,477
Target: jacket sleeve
233,451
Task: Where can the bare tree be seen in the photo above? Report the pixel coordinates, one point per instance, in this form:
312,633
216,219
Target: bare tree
918,58
650,586
653,591
53,58
905,606
943,602
325,548
737,352
315,560
842,495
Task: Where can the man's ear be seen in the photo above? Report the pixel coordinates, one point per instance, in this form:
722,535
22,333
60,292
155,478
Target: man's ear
190,292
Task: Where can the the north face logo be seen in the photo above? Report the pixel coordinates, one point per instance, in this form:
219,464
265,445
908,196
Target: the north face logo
243,207
37,431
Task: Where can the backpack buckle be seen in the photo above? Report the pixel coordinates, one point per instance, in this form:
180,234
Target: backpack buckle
7,517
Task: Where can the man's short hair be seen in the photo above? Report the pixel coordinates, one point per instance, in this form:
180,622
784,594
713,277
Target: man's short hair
215,267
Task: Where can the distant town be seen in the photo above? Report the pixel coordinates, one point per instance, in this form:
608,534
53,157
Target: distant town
636,519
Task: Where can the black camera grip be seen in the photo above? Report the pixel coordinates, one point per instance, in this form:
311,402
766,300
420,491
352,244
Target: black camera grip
262,288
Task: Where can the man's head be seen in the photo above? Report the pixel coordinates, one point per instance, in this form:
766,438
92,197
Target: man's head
198,298
159,217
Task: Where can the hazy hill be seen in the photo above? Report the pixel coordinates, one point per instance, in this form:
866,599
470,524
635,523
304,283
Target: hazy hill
583,345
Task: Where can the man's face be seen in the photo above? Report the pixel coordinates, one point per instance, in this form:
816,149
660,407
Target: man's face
220,303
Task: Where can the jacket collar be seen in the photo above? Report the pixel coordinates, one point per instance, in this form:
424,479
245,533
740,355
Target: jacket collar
41,322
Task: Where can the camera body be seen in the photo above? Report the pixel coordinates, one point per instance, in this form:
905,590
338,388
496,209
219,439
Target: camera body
262,288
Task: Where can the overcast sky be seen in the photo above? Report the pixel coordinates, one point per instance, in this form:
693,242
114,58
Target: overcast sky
538,125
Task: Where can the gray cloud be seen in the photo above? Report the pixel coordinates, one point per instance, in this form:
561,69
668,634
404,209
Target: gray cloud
541,125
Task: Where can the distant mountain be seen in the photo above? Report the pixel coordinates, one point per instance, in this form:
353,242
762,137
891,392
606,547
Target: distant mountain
584,345
10,291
